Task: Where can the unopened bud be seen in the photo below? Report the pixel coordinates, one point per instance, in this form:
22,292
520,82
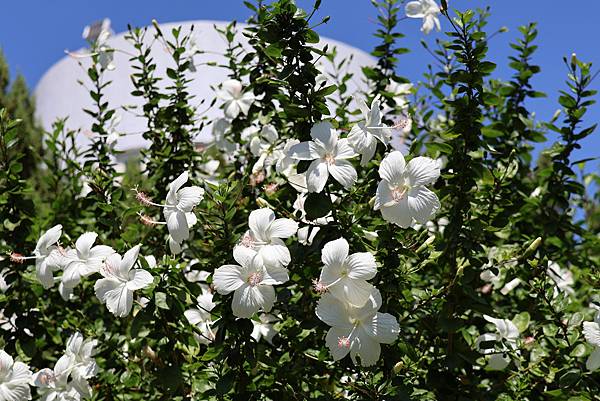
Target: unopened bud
533,247
426,244
398,367
504,29
573,60
261,202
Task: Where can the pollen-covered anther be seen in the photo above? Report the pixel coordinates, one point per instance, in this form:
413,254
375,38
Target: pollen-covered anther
343,342
16,257
255,279
329,159
319,287
247,240
398,193
401,123
143,198
271,188
147,220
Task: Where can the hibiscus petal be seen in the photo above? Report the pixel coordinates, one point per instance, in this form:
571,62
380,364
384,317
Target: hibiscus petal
414,9
232,86
335,252
275,255
49,238
84,244
247,300
356,292
344,173
304,151
141,279
422,204
383,327
118,299
361,266
231,109
392,168
399,214
591,332
343,150
383,196
283,228
178,228
422,171
243,255
333,312
259,222
227,278
316,176
175,186
324,134
101,252
129,259
189,197
366,348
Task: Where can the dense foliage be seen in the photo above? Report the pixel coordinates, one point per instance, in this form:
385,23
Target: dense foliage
247,268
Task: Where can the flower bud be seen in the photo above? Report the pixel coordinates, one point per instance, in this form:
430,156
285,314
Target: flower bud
426,244
532,247
398,367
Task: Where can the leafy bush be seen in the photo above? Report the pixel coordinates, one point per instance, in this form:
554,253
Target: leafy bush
452,267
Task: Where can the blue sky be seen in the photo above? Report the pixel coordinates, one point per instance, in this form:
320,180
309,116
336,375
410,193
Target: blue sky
35,33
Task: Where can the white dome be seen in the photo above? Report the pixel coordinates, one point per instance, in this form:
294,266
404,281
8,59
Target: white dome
59,94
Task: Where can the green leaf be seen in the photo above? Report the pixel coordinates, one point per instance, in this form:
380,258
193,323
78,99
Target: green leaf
522,321
491,132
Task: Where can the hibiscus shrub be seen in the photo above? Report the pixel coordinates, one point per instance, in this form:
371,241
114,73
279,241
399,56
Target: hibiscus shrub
396,243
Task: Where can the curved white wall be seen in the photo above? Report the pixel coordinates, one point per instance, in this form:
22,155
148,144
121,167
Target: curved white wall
59,95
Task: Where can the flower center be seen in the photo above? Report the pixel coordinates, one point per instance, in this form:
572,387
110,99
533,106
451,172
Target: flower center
247,240
329,159
399,192
343,342
255,279
319,287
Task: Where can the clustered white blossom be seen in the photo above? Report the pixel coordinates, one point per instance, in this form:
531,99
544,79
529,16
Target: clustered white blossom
350,305
262,259
119,280
68,381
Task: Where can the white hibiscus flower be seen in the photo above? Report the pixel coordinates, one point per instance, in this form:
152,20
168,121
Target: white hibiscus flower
330,156
82,261
563,278
426,9
364,135
250,281
54,384
266,236
591,332
47,256
507,333
14,379
401,195
357,330
345,276
120,281
81,352
202,318
235,101
263,328
178,210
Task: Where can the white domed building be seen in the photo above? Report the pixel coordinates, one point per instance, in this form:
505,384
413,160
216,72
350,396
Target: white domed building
59,93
